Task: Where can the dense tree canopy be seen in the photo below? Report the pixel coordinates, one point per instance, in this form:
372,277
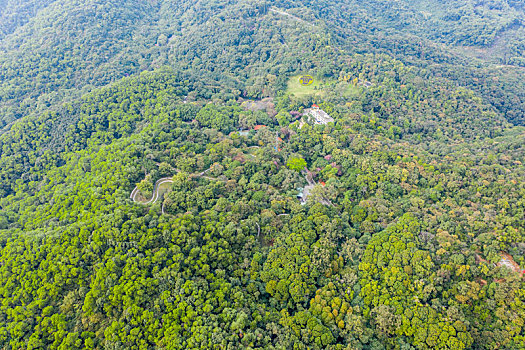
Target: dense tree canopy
193,205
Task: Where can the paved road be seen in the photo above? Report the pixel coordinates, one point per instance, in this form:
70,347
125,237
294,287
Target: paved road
155,196
311,183
289,15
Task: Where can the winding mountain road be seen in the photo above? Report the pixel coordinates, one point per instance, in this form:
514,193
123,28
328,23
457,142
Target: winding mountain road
155,195
289,15
311,184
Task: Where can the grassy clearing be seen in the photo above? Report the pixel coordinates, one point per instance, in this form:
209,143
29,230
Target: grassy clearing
319,87
295,88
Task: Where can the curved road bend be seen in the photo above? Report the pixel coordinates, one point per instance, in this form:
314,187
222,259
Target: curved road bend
155,195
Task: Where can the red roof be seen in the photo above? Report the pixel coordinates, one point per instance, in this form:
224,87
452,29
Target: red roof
257,127
315,106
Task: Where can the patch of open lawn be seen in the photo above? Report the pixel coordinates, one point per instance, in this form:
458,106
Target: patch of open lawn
320,87
295,87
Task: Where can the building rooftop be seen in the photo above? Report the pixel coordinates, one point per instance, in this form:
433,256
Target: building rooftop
319,116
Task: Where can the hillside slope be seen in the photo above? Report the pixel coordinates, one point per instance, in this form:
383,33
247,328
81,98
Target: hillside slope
398,225
57,50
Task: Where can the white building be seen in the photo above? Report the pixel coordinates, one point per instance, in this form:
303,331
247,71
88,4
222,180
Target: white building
318,115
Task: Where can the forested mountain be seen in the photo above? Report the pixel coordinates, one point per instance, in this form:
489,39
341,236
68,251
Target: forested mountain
164,184
54,50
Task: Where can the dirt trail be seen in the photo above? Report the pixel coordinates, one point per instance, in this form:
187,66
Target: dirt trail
508,261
